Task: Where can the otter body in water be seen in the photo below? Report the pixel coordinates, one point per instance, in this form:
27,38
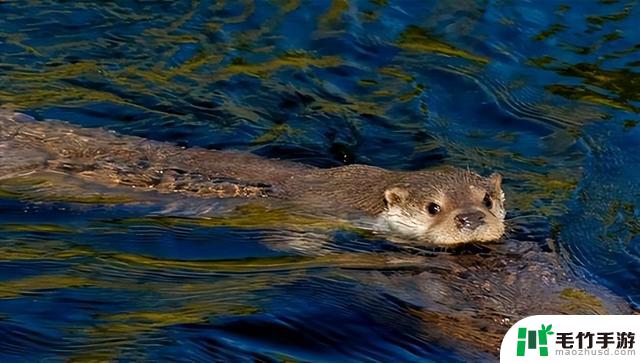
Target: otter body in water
446,206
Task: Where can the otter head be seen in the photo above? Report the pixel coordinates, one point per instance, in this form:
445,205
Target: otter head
445,207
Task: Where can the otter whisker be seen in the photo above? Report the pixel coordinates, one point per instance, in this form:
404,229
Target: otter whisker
525,217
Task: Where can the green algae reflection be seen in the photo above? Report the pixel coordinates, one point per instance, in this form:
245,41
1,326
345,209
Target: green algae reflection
416,39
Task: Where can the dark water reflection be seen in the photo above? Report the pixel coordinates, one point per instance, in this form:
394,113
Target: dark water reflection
546,93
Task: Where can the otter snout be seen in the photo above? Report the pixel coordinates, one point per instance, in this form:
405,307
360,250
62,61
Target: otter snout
470,220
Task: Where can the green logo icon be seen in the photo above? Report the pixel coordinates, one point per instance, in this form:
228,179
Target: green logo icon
533,338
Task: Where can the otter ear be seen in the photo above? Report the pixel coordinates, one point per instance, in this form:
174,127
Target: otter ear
495,181
395,195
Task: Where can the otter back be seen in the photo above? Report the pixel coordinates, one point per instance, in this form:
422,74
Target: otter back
105,157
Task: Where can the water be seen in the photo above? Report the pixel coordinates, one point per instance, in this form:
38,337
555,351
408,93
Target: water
546,93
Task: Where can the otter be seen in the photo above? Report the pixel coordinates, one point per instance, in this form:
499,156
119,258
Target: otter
445,206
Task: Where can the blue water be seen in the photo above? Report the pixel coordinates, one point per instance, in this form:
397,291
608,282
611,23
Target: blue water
546,93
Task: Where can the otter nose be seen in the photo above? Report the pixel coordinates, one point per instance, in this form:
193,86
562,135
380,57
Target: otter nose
469,220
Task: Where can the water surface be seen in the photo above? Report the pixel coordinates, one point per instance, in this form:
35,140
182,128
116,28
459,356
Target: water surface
546,93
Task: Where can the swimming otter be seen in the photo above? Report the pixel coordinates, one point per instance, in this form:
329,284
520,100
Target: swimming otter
446,206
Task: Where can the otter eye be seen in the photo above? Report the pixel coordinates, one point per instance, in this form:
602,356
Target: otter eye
433,208
487,201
